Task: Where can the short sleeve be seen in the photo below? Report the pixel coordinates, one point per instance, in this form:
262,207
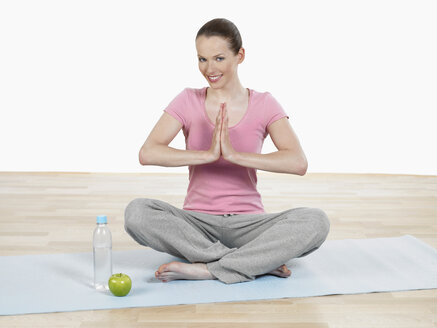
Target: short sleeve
274,110
178,107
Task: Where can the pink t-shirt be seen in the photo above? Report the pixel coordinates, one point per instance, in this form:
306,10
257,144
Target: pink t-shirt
222,187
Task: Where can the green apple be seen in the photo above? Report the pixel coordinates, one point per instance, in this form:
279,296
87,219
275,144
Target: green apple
120,284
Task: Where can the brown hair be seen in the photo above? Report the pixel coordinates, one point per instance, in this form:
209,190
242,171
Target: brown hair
224,28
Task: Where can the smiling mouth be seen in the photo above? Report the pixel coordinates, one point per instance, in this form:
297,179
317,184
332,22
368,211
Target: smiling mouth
215,78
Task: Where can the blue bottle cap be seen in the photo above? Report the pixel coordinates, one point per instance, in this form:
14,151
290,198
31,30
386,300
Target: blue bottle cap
102,219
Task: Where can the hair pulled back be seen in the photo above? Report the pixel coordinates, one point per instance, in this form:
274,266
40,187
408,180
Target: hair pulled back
224,28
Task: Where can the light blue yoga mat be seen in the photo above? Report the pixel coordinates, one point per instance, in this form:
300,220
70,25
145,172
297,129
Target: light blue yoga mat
63,282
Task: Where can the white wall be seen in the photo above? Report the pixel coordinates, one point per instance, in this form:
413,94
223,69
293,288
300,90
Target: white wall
83,82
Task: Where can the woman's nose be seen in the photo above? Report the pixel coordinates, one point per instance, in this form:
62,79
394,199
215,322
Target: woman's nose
210,68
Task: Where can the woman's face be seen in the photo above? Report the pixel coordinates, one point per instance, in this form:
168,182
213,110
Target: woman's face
217,62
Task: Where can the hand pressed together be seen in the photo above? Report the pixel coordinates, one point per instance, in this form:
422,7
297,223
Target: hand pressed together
221,143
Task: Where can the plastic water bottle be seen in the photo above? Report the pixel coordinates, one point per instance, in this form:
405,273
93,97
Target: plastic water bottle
102,244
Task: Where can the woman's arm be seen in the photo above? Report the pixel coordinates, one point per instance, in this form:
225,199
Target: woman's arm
162,155
155,150
289,158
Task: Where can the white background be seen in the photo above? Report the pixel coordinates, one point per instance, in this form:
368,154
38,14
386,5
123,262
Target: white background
82,83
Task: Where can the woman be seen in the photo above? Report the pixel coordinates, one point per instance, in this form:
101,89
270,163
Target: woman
223,230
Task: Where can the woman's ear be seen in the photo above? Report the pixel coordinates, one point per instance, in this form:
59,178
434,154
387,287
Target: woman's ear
241,55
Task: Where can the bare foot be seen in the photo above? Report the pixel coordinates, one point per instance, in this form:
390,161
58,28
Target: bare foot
281,271
178,270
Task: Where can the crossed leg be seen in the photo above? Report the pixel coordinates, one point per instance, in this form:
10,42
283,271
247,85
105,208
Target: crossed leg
165,228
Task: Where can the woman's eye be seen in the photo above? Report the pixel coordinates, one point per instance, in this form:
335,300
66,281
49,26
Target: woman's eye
221,59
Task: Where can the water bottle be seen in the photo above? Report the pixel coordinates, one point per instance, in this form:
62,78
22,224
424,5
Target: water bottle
102,244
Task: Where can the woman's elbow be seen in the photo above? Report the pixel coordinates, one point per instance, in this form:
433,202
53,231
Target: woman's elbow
142,157
303,166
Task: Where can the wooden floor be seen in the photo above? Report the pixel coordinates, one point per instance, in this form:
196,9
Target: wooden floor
42,213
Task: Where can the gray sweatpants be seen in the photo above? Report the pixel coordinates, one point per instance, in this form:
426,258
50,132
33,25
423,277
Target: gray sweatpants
235,247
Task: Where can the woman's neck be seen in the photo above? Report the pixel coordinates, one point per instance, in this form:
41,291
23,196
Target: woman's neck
228,93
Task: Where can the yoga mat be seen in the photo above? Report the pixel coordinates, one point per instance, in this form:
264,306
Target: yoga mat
63,282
